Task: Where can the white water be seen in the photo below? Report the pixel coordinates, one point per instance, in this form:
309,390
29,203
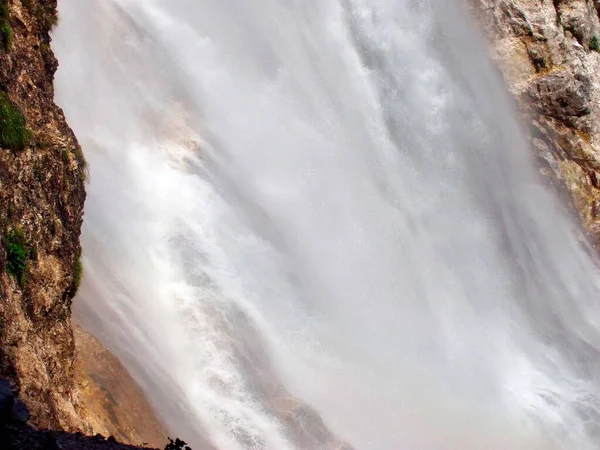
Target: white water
328,200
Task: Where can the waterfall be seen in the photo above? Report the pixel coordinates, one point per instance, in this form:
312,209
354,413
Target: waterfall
315,224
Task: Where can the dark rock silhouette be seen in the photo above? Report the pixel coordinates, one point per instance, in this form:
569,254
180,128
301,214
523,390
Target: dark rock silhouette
177,444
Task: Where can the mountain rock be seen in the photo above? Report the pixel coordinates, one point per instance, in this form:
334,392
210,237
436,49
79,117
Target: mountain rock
42,192
549,54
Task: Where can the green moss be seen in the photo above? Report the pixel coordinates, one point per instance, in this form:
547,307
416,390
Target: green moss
13,133
77,275
5,29
595,44
5,35
82,163
16,255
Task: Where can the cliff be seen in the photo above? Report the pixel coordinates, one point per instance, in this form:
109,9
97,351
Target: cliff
549,54
16,434
42,192
114,403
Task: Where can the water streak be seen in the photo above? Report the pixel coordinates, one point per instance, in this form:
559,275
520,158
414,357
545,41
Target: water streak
324,203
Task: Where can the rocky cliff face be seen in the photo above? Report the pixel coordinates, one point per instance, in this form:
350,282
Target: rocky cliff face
67,384
16,434
42,174
114,403
549,54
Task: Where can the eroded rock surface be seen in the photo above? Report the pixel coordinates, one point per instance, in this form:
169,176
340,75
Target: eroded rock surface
42,193
548,51
17,434
115,404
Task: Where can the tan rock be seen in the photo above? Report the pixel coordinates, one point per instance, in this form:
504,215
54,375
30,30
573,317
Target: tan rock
114,404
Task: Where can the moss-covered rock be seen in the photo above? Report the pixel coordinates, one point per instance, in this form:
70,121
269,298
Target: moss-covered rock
5,29
16,250
13,131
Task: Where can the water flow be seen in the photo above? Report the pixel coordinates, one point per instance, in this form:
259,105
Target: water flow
313,222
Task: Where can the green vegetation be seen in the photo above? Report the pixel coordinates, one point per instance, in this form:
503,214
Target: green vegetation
13,133
81,162
77,276
595,44
5,29
16,255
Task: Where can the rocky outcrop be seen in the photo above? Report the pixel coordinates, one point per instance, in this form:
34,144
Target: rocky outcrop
42,174
114,403
17,434
548,51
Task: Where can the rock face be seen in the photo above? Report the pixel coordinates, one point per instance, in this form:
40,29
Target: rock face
16,434
42,175
548,51
115,404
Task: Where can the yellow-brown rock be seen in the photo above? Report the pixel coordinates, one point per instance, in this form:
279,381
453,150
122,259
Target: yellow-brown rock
41,201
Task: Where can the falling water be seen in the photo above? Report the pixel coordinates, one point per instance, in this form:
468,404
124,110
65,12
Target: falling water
313,222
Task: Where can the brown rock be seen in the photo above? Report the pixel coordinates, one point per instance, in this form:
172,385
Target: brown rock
41,196
113,402
561,95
